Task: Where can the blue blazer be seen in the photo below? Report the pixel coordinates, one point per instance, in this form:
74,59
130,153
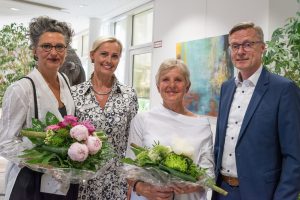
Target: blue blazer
268,148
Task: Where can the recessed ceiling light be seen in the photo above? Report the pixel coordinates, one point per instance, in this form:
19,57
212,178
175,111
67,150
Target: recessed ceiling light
82,5
15,9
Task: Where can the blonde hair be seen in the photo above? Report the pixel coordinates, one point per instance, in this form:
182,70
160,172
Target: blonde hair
172,63
98,42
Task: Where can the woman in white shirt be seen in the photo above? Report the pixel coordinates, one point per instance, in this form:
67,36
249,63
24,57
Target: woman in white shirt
49,40
170,124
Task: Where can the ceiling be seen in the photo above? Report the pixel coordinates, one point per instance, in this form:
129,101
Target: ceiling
75,12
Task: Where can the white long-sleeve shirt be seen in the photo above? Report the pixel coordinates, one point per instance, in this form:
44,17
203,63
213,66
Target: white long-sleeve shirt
191,134
18,111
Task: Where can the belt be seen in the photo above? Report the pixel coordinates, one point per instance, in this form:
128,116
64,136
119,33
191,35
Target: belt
232,181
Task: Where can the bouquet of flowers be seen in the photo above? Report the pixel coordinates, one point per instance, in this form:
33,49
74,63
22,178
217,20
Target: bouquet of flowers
160,165
68,150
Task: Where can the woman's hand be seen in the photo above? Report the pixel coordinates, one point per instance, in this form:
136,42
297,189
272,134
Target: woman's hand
152,192
184,189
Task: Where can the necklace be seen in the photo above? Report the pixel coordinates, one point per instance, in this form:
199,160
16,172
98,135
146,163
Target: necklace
101,93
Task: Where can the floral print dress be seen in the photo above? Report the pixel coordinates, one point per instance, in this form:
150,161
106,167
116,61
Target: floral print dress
114,119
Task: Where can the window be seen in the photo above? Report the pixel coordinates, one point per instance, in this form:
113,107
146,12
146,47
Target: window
134,29
141,78
142,28
120,33
141,56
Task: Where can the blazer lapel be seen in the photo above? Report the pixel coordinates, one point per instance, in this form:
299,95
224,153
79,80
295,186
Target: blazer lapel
260,89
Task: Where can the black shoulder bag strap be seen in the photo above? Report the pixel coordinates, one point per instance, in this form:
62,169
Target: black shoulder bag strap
28,182
36,112
65,80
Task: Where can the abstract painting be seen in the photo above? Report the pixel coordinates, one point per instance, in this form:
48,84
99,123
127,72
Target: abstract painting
209,63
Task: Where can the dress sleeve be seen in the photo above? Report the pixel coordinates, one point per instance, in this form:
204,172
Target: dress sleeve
135,134
205,159
134,106
14,112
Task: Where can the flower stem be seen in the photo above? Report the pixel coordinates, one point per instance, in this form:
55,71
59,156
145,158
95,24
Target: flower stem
62,151
210,183
137,147
34,134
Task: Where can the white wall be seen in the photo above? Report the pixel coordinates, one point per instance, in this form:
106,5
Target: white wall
178,21
77,23
280,10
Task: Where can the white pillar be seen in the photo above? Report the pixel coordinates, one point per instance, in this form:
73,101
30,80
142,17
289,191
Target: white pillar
94,33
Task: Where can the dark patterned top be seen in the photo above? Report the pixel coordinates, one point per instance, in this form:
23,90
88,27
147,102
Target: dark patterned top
114,119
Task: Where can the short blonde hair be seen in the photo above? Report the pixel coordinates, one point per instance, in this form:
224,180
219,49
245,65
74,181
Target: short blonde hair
101,40
172,63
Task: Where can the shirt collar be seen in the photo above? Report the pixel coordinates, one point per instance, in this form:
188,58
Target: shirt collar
88,84
252,80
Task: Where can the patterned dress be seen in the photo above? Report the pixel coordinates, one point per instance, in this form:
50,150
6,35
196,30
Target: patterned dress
114,119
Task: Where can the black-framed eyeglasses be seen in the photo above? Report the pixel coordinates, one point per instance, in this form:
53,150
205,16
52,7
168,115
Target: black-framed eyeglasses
247,46
48,47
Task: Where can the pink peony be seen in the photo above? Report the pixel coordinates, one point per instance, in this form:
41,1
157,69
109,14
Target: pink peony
79,132
53,127
89,126
94,144
69,120
78,152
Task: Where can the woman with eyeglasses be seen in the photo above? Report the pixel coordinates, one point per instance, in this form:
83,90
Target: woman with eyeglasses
49,40
110,106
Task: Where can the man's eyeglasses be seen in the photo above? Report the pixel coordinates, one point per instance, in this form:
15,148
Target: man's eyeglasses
48,47
247,46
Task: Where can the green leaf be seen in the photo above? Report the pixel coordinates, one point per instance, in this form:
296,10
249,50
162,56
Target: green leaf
178,173
136,151
62,151
37,125
63,132
51,119
16,58
30,153
282,55
47,158
36,141
128,161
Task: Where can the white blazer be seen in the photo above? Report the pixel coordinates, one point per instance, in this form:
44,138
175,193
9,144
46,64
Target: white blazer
18,111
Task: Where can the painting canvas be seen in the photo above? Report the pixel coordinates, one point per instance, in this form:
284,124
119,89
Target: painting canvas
210,65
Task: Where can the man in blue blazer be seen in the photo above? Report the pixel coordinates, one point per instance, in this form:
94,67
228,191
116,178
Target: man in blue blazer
257,145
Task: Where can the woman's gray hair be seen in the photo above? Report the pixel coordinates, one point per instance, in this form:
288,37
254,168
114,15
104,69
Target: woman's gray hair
246,25
43,24
172,63
98,42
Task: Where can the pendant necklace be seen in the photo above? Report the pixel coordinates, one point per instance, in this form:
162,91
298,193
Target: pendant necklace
101,94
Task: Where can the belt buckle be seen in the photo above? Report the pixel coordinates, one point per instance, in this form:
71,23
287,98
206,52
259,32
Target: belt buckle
231,181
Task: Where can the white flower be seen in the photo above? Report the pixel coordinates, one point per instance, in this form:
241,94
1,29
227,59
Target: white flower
182,146
94,144
79,132
78,152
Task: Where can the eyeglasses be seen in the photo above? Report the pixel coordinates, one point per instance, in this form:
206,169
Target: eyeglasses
247,46
48,47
